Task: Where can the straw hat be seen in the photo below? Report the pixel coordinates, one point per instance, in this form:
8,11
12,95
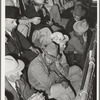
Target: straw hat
11,65
81,26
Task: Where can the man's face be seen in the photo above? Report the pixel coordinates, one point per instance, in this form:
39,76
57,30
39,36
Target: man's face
49,59
76,17
10,24
13,77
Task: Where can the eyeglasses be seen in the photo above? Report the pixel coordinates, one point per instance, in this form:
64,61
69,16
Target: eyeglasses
51,57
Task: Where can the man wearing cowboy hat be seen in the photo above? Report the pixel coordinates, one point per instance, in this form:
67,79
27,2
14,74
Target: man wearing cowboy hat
16,44
44,75
78,14
77,43
15,86
62,64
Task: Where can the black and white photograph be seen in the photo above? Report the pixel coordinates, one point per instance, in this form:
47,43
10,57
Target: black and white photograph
49,50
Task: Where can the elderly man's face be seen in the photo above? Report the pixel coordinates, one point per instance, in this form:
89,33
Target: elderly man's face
13,77
49,59
10,24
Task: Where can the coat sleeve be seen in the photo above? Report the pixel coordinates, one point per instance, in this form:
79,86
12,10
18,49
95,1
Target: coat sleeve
25,89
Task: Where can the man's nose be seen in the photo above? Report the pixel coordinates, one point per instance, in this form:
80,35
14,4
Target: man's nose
15,24
20,73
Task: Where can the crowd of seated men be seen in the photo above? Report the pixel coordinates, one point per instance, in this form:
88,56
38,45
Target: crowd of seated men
44,51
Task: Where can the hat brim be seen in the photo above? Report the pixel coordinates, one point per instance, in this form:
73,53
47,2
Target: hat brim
20,67
66,38
78,14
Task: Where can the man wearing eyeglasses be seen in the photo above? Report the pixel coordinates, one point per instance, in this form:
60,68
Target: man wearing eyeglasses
43,75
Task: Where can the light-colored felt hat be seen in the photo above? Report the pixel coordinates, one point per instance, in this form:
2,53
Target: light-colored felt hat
11,65
81,26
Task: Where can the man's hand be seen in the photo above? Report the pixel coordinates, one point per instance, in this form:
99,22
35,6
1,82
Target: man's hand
37,96
36,20
35,50
64,84
50,23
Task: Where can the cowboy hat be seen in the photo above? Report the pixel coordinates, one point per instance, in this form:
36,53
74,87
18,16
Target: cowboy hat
13,66
78,11
81,26
59,37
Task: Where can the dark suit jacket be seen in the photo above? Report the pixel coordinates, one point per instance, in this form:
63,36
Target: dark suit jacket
30,12
69,26
17,45
11,94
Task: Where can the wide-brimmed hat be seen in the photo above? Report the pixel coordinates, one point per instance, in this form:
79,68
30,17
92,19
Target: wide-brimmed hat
38,2
78,11
13,66
81,26
11,12
59,37
51,51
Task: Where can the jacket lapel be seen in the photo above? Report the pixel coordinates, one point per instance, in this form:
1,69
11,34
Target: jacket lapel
9,88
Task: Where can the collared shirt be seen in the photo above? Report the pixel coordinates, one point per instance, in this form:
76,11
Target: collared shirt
9,33
13,85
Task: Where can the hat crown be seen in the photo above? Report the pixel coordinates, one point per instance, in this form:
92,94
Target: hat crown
11,12
57,37
10,64
78,11
81,26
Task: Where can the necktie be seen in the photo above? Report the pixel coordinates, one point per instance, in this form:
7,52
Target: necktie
19,91
22,7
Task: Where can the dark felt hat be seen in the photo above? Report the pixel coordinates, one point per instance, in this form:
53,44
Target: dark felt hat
78,11
11,12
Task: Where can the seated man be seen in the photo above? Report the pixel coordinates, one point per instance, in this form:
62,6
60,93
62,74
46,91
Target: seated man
44,75
76,48
78,13
16,44
15,86
24,25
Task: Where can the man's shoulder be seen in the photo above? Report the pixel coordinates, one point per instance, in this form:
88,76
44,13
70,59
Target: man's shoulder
35,62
